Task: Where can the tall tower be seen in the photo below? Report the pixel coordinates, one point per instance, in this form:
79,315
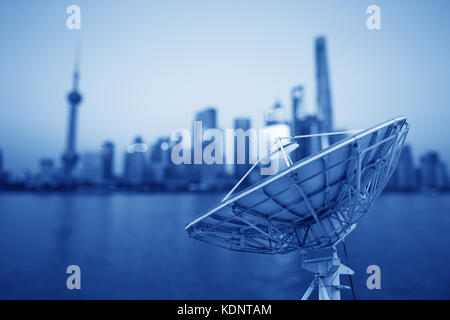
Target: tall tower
297,100
297,95
242,147
207,173
323,86
135,163
70,156
108,160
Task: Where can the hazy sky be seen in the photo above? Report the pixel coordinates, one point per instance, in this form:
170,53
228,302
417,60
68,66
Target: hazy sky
148,66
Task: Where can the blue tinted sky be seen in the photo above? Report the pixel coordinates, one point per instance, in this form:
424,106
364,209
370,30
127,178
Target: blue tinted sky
147,66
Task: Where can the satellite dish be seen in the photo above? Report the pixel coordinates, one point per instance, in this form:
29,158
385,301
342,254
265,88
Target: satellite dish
311,206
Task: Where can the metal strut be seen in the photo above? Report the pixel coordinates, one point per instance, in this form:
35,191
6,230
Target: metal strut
327,271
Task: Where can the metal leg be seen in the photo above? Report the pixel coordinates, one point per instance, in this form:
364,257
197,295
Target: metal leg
323,291
327,271
309,290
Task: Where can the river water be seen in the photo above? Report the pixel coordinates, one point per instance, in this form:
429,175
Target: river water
133,246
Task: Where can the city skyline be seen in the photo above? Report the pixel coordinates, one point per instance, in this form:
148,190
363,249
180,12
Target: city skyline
127,91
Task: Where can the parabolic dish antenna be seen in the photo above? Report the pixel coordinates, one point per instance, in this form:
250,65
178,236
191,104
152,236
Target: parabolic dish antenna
311,205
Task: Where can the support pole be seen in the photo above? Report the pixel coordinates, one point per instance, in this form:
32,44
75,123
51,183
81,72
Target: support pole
327,271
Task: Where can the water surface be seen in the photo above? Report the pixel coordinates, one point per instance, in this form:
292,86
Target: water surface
133,246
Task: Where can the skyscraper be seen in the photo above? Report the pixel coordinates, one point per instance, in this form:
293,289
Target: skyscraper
70,156
239,168
207,173
208,119
108,160
433,172
404,174
444,176
160,160
323,86
2,174
91,168
160,151
47,176
297,94
135,163
276,126
306,126
275,115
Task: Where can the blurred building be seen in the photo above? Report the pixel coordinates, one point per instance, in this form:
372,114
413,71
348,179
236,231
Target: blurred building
275,116
241,168
207,173
404,178
276,126
108,161
160,160
2,174
135,163
70,156
297,94
208,118
443,174
433,173
323,85
91,171
47,176
160,151
303,124
307,126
